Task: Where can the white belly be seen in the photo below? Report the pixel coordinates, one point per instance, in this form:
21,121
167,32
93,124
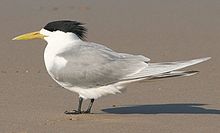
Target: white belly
54,65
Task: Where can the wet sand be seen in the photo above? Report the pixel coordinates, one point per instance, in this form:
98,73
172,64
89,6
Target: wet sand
30,102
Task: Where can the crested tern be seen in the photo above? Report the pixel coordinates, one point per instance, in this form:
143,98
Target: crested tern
93,70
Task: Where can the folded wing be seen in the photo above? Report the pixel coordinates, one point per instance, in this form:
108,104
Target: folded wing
92,65
154,69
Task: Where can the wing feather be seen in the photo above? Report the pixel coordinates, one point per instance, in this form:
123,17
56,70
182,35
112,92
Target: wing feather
91,66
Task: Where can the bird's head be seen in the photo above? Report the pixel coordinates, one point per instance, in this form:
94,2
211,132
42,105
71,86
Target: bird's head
56,30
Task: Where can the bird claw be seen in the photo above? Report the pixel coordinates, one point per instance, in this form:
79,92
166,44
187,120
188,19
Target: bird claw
86,112
73,112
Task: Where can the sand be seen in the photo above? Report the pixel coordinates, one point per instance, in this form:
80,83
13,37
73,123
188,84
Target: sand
31,102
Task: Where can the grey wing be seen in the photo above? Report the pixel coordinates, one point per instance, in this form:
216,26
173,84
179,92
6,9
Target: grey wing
89,66
122,55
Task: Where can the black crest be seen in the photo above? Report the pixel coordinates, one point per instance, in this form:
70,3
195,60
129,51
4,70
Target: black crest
68,26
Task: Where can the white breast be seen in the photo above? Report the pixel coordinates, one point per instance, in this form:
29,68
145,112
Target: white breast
52,60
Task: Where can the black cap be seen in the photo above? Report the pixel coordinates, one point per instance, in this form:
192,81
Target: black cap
68,26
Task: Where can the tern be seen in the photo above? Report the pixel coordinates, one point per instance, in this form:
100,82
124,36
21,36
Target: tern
93,70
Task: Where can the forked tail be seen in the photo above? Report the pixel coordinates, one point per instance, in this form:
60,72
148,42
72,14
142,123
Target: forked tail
167,69
173,74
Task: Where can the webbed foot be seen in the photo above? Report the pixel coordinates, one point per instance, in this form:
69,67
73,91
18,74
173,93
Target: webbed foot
73,112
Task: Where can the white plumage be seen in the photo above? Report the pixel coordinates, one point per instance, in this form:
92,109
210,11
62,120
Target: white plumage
93,70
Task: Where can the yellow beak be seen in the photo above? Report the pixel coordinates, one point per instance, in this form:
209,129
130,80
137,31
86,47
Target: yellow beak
29,36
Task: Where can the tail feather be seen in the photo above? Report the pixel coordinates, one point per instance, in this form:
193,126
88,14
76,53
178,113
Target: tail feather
173,74
165,68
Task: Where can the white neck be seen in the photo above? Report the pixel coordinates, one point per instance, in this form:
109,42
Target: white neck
58,42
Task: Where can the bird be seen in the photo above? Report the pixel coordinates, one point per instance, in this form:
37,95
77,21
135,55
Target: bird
93,70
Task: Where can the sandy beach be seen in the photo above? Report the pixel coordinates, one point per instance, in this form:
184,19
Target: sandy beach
171,30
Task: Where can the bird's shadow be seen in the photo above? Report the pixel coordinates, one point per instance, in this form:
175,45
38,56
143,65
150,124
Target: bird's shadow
180,108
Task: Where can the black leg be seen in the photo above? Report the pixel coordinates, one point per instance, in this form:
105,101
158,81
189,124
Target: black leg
90,106
78,111
80,104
